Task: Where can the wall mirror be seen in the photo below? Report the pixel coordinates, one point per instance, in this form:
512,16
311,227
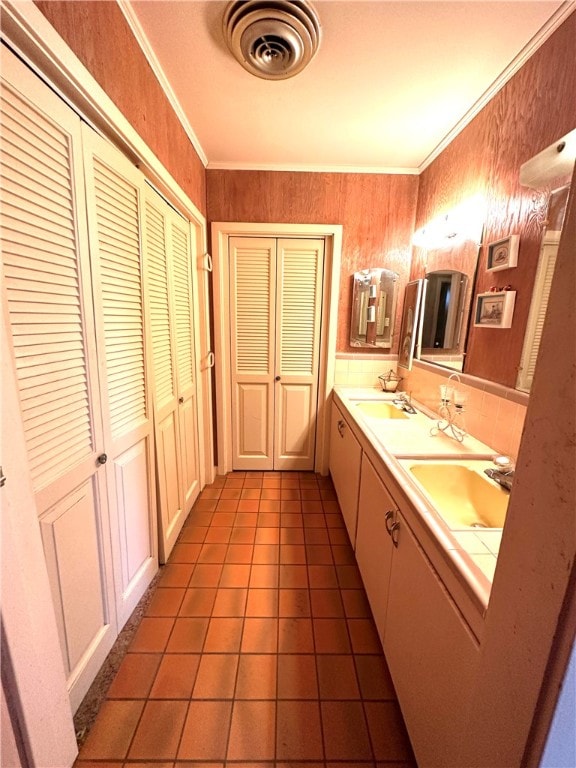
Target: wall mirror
374,297
444,318
409,327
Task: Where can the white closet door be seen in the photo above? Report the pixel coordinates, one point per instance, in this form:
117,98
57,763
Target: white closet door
114,190
47,294
252,313
299,299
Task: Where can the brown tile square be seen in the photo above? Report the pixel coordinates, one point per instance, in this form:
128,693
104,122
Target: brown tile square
293,576
225,512
218,535
198,602
374,678
334,520
337,677
313,519
271,482
230,602
204,505
213,553
324,481
224,635
269,514
364,636
356,605
239,553
235,482
262,603
343,555
265,554
253,482
267,535
247,517
270,494
165,602
345,731
311,493
175,575
218,482
159,730
308,480
152,635
339,537
210,493
322,577
135,676
295,635
349,577
243,536
188,636
326,603
290,518
331,636
297,676
291,535
248,505
317,554
290,494
216,676
248,742
235,575
112,732
206,731
317,536
330,507
387,731
230,494
176,676
193,534
327,494
185,553
294,602
299,733
260,636
264,576
290,481
256,676
292,554
206,575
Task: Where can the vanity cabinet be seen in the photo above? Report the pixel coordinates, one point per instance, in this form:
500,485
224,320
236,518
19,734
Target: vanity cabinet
345,458
374,546
430,652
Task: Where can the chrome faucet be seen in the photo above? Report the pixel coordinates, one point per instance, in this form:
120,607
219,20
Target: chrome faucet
404,401
503,474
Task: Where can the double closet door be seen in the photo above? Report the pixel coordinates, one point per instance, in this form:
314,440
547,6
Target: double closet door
275,316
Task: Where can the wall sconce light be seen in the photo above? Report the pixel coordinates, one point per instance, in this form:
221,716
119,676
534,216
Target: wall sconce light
464,222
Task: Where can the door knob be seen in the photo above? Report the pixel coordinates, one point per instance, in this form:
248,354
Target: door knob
102,459
180,400
277,378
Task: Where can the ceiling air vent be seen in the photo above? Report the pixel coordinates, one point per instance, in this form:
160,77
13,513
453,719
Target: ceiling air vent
273,39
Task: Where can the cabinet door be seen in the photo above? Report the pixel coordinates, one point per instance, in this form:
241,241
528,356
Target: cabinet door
374,546
345,457
114,192
431,654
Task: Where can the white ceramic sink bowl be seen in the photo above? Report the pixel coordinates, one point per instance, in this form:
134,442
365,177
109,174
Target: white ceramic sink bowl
380,409
460,492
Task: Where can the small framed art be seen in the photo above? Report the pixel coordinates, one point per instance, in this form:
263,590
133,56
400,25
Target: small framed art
495,310
503,254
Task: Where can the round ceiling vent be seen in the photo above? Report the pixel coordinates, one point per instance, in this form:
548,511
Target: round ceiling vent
273,39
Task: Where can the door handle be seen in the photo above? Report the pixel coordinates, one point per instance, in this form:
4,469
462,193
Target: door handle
341,427
181,400
102,459
210,360
277,378
208,258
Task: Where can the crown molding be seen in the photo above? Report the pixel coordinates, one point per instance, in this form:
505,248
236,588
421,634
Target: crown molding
134,24
560,15
305,168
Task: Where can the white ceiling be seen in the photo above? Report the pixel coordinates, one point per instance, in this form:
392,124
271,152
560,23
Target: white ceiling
391,82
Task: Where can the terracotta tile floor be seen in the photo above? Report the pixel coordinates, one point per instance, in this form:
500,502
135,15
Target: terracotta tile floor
258,644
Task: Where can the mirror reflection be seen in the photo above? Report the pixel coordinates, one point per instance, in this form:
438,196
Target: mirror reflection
374,297
443,318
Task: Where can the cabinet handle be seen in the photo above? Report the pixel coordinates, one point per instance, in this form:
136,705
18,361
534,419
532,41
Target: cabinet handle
102,459
341,427
208,262
389,520
394,533
211,359
181,400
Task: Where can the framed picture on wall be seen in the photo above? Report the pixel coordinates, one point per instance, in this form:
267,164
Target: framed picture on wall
494,310
503,254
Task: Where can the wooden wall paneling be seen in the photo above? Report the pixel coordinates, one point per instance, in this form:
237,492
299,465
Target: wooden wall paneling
99,35
376,210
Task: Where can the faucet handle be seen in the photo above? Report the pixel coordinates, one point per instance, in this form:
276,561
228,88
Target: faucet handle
504,463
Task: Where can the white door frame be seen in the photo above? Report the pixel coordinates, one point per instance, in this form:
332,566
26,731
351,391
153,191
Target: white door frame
332,235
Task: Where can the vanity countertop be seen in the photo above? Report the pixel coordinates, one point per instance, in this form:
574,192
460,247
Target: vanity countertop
470,554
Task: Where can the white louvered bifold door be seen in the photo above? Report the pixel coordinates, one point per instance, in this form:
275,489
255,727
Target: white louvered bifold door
46,276
252,313
114,191
298,318
167,245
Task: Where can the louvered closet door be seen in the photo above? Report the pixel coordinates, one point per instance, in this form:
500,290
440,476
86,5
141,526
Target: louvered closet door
114,190
170,316
46,276
252,313
299,294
